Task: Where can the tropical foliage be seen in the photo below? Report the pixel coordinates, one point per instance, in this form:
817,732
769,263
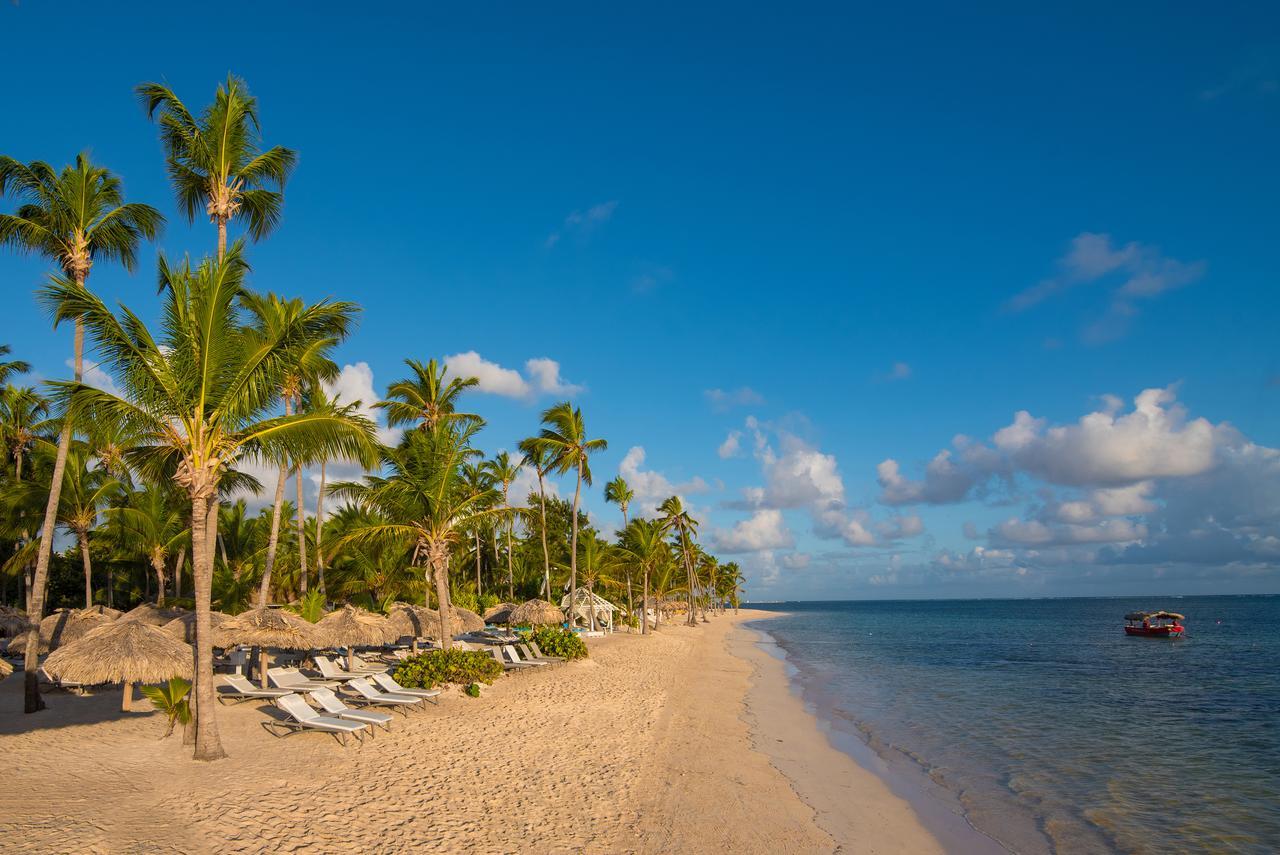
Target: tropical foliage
437,667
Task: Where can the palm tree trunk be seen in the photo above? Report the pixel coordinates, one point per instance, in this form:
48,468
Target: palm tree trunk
31,662
644,606
82,539
222,237
273,540
157,564
208,743
511,573
573,550
692,579
319,528
546,555
438,557
302,532
478,553
177,573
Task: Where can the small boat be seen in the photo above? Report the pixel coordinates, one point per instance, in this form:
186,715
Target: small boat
1154,624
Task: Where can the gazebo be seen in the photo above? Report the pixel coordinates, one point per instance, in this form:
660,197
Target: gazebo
588,603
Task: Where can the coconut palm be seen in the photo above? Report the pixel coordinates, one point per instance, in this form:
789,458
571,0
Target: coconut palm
619,492
565,436
645,542
476,479
316,397
427,398
504,471
23,415
10,367
540,458
85,492
678,522
202,394
424,503
74,218
155,528
323,325
216,162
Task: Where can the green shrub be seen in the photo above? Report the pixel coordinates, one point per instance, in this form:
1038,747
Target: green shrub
430,669
464,600
486,602
173,700
558,641
473,691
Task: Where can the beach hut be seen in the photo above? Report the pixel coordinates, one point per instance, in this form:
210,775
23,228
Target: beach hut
264,628
592,608
184,628
125,652
536,613
152,614
353,627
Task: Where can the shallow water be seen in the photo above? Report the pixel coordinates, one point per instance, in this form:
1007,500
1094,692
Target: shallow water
1052,730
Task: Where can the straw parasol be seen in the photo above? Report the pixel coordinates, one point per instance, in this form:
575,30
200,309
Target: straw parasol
153,614
65,626
184,628
125,652
468,620
536,612
501,613
5,669
414,621
263,628
12,621
105,611
353,627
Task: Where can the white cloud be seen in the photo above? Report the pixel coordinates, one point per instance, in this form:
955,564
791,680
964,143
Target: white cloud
899,371
354,384
543,376
582,223
948,477
744,396
731,445
1034,532
795,560
765,529
652,487
94,376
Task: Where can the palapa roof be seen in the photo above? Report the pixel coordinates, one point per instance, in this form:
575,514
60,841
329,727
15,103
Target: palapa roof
153,614
468,620
350,626
267,628
1154,616
12,621
105,611
61,627
184,628
536,612
132,651
501,613
414,621
5,669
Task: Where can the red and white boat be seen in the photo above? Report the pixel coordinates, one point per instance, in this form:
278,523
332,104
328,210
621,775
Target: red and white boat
1154,624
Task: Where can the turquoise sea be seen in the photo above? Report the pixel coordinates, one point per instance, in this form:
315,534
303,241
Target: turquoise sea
1047,728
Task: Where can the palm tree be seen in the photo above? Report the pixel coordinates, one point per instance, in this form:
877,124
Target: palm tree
424,504
677,520
565,437
504,471
540,458
85,492
316,397
216,161
323,325
645,541
22,420
155,528
476,478
619,492
8,368
202,395
73,218
427,398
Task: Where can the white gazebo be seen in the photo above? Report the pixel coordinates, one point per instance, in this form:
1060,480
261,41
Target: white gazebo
588,602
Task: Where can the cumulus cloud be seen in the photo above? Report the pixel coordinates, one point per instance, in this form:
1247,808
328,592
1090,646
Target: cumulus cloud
582,223
94,376
1134,272
744,396
951,476
542,376
731,446
652,487
764,529
899,371
1037,533
795,560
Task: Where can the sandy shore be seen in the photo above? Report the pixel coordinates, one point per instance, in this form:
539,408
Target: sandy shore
660,744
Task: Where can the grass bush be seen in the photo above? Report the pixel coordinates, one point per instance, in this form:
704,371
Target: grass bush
558,641
430,669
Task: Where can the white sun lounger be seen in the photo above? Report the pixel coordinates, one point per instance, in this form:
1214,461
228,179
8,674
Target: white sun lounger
515,657
331,670
303,717
330,703
506,665
533,645
388,684
530,656
367,694
367,667
237,688
295,680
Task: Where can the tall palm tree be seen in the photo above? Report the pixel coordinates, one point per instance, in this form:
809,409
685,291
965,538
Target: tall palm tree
423,504
476,479
316,397
565,436
619,492
155,528
10,367
216,161
678,521
73,218
23,414
504,471
427,398
85,492
645,541
203,394
323,325
540,458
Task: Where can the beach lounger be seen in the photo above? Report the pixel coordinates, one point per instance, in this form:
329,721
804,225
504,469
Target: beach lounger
359,664
388,684
508,665
515,657
236,688
295,680
331,670
330,703
530,656
365,693
303,717
533,645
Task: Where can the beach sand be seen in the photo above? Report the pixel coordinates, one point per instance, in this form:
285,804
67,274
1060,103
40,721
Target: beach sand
685,741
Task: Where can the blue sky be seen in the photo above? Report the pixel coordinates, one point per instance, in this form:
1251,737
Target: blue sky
872,230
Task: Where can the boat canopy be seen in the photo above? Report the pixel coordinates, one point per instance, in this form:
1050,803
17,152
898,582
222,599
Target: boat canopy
1154,616
1137,615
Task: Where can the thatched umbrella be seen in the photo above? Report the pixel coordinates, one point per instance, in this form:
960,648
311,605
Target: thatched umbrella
5,669
536,612
184,628
353,627
263,628
153,614
501,613
125,652
105,611
468,620
67,625
414,621
12,621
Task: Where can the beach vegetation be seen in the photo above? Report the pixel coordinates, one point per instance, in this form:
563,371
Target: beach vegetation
558,641
454,666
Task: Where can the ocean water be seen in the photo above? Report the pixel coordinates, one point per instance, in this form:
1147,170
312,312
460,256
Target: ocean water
1049,729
